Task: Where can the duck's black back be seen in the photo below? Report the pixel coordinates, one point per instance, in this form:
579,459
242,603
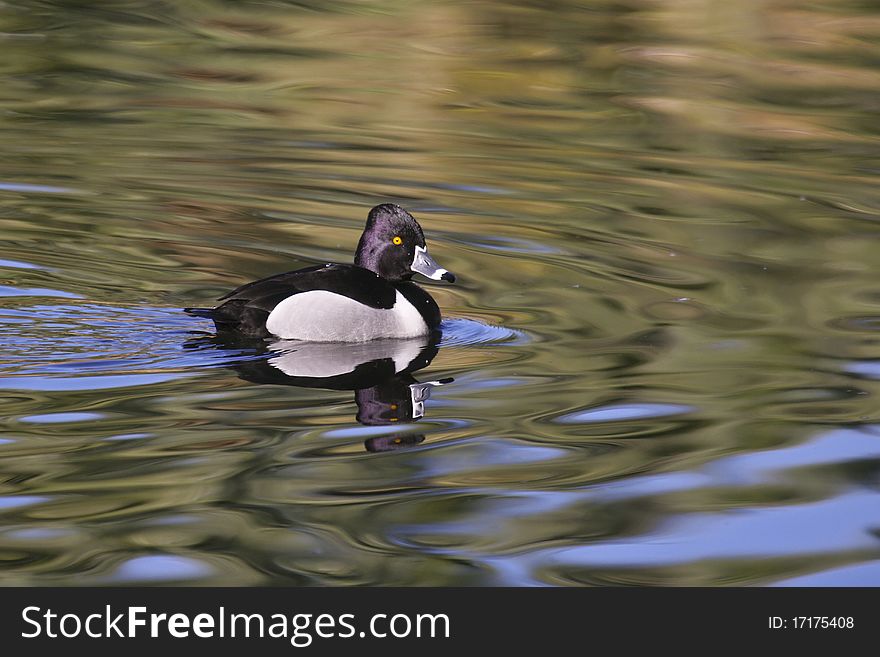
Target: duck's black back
246,308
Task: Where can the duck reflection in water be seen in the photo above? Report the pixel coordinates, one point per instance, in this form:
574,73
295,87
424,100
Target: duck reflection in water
380,373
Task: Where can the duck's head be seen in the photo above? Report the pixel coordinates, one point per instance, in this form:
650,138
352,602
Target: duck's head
393,246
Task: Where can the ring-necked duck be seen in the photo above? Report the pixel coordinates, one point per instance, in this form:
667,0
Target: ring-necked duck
371,299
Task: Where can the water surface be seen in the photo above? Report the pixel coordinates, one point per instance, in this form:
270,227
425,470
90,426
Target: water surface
664,342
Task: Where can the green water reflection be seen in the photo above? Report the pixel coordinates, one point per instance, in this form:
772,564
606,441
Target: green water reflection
664,337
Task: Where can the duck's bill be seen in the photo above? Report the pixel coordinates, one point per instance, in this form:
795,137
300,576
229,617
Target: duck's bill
424,264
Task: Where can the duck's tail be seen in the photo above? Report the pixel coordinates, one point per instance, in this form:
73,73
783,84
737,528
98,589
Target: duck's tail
207,313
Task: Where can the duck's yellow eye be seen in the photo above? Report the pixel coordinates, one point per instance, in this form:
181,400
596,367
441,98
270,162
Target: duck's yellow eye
397,240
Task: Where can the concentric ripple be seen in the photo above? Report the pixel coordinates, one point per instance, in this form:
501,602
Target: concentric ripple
463,332
88,340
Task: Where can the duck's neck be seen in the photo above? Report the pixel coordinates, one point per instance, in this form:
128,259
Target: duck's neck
367,257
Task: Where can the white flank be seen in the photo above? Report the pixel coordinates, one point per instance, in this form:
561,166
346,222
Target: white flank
320,316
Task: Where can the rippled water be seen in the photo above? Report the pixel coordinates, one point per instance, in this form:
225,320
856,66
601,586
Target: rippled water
660,364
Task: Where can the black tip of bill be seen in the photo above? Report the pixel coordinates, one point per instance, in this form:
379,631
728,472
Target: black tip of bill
448,276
